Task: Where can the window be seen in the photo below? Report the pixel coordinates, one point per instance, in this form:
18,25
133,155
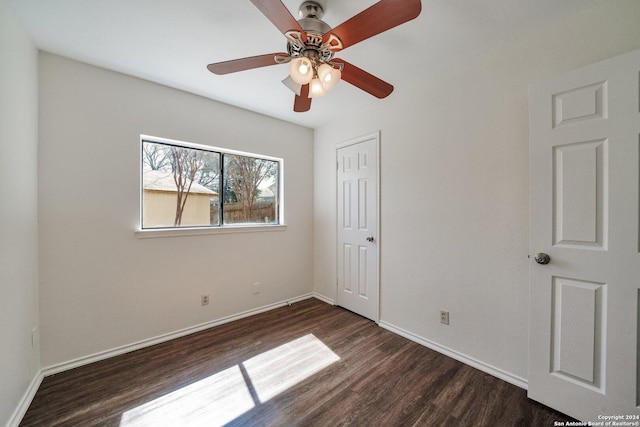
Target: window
186,186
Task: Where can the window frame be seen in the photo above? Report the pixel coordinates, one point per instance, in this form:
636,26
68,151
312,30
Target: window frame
209,229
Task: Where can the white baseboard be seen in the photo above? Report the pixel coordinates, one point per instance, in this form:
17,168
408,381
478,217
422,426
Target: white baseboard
323,298
24,403
85,360
491,370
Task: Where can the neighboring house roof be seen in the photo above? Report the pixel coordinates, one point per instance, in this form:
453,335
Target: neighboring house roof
266,193
163,181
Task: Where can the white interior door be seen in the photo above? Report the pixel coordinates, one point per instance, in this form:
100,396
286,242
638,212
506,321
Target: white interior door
357,239
583,340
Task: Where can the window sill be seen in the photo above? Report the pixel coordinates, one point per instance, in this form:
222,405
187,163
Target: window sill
200,231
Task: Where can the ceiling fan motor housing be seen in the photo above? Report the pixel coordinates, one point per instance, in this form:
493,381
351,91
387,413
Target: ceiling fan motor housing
311,9
314,28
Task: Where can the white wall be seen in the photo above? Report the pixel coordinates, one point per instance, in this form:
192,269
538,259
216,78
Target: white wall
19,361
101,286
454,196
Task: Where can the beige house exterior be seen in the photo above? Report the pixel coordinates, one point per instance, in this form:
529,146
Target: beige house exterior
159,202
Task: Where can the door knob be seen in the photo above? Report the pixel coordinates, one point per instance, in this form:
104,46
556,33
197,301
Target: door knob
370,239
542,258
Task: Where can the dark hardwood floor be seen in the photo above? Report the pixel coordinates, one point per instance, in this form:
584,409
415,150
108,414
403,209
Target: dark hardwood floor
309,364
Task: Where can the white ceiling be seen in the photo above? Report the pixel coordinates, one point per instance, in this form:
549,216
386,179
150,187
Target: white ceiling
171,42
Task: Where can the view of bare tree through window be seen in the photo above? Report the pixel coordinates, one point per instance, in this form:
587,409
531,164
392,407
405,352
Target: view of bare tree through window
183,187
250,186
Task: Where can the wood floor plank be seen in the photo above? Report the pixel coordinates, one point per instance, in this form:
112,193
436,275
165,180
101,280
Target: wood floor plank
309,364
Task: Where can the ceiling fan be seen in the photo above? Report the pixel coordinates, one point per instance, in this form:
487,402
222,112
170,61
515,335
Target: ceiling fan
312,44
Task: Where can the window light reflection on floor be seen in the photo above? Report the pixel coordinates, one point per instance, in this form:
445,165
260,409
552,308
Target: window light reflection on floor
226,395
276,370
214,400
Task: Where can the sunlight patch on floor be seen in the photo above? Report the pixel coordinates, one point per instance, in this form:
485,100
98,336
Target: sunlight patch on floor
215,400
277,370
226,395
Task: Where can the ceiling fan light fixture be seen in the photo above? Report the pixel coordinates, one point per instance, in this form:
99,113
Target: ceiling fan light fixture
329,76
301,70
315,88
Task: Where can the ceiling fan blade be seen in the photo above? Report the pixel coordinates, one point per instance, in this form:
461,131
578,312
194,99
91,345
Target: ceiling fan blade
365,81
378,18
249,63
279,16
302,102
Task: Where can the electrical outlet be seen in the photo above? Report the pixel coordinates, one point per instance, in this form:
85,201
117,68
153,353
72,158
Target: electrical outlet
204,299
444,317
256,288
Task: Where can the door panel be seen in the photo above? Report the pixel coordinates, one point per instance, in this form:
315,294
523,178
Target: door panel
584,151
577,330
357,234
580,193
580,104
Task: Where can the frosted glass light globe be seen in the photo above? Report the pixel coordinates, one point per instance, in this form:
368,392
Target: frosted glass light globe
329,76
301,70
315,88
